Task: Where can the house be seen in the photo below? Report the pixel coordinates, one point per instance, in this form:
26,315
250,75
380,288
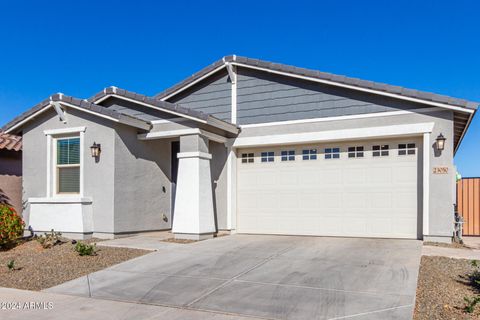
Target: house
11,170
248,146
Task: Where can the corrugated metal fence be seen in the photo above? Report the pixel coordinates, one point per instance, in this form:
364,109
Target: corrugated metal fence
468,205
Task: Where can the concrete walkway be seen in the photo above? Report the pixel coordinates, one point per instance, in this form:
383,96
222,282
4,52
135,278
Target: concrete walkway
146,241
79,308
268,277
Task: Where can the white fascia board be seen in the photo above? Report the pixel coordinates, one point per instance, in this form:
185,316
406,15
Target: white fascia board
102,99
172,120
192,83
338,118
183,132
64,130
335,135
347,86
88,111
28,118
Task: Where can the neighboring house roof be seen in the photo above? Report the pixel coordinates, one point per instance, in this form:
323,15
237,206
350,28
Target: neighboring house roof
463,109
78,104
10,142
162,106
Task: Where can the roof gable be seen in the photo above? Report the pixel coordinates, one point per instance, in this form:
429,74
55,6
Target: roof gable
327,78
78,104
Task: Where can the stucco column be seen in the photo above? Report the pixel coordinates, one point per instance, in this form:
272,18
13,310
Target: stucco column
193,216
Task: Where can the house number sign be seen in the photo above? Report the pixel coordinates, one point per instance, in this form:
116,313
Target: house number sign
440,170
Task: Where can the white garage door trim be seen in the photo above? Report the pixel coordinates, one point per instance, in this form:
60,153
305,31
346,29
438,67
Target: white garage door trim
334,135
420,129
333,191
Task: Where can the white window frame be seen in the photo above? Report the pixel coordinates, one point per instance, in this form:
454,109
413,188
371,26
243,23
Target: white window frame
312,154
247,156
52,176
332,155
382,152
357,152
409,149
267,156
287,155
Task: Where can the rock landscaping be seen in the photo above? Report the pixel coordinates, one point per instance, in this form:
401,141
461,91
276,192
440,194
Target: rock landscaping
443,285
36,268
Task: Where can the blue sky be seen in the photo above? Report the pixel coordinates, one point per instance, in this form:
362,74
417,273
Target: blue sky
80,47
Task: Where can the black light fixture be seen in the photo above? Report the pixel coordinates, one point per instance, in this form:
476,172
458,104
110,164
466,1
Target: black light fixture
95,150
440,142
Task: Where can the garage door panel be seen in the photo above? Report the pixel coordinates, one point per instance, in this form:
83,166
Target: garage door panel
364,197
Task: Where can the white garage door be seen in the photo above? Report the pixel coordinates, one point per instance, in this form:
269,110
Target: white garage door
361,189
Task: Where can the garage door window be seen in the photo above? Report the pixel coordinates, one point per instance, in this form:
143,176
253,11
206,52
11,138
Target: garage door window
288,155
406,149
355,152
309,154
268,156
248,157
332,153
380,151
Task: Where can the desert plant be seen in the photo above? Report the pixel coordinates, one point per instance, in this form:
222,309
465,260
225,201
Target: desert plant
50,239
85,249
471,303
11,225
11,265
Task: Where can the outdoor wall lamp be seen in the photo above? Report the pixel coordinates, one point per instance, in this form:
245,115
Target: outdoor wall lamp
440,142
95,150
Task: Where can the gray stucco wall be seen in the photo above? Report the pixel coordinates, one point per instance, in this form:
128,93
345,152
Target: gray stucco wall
142,182
98,177
212,96
264,97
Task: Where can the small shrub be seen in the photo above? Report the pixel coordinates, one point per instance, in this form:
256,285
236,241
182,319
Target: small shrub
11,265
50,239
85,249
11,226
471,303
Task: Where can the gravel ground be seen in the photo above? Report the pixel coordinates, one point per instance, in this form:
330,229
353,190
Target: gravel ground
454,245
441,288
38,268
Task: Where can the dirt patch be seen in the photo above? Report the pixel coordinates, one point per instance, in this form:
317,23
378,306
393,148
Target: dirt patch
38,268
183,241
454,245
442,285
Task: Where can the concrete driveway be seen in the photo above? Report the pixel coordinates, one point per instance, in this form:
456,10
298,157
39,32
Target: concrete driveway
272,277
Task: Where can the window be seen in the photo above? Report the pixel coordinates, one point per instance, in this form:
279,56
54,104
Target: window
404,149
309,154
355,152
288,155
380,151
248,157
68,165
268,156
332,153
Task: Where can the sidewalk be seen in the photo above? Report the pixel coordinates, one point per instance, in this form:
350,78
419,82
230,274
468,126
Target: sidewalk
73,308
